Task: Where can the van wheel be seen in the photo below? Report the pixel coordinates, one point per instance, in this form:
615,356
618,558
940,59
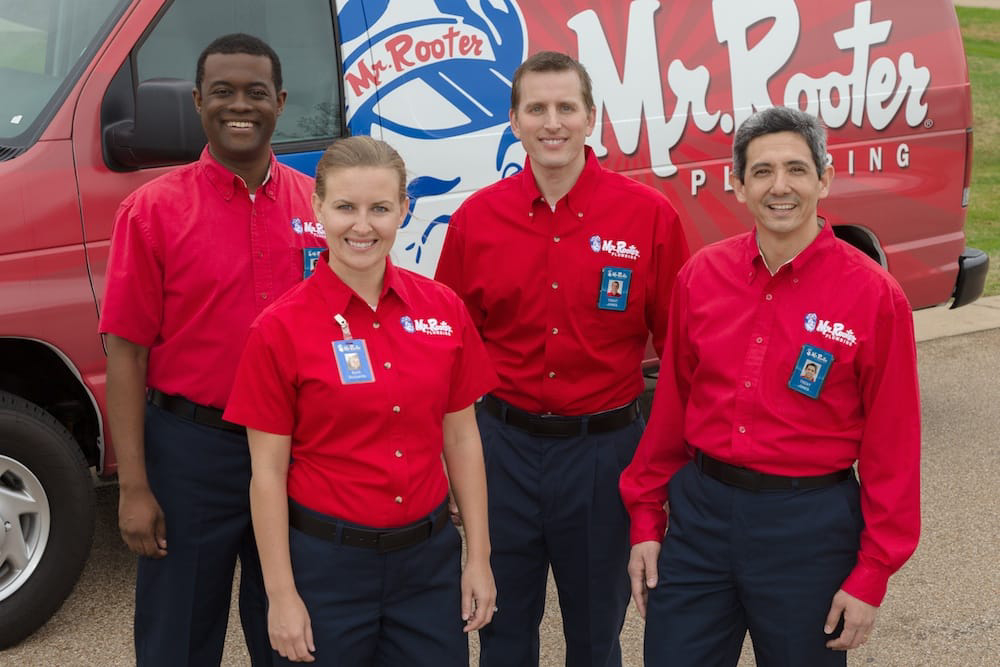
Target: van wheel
47,511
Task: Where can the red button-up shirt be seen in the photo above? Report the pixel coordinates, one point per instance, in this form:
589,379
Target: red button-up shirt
734,337
371,452
532,278
194,260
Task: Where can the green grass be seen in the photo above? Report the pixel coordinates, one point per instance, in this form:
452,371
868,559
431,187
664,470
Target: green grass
981,34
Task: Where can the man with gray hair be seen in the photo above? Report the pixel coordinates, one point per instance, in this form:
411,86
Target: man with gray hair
770,530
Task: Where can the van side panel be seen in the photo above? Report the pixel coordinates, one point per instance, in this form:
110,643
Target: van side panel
672,81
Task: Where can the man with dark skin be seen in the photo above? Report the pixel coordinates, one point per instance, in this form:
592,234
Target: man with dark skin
196,255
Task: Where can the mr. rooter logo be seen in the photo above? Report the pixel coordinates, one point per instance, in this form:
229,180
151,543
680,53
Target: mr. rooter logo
426,70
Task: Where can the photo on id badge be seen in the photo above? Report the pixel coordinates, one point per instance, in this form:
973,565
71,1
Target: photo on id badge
353,361
614,288
810,371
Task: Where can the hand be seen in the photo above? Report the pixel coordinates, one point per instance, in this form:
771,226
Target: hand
479,595
642,572
141,522
289,628
453,512
859,619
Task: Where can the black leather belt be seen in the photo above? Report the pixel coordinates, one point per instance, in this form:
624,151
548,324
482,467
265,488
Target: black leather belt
751,480
558,426
199,414
382,541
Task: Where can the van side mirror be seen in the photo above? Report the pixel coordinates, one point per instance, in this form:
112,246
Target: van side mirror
166,128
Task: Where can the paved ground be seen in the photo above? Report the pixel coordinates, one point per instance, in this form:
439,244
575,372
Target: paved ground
942,609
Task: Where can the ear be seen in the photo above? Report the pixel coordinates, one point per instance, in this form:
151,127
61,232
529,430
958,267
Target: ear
737,186
317,204
196,96
514,126
282,95
591,119
825,181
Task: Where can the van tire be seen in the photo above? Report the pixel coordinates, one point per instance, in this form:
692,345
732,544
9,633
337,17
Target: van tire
47,510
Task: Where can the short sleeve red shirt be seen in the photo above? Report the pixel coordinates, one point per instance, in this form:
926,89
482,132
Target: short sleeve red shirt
194,260
533,280
366,452
735,337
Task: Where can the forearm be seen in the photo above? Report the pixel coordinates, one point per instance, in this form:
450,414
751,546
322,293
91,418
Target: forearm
269,514
126,405
463,454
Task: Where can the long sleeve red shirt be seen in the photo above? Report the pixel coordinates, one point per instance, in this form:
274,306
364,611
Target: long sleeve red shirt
735,333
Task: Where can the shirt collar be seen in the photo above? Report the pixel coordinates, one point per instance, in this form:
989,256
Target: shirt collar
580,195
753,257
226,182
338,295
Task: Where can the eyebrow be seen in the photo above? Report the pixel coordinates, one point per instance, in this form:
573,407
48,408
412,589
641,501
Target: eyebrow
765,163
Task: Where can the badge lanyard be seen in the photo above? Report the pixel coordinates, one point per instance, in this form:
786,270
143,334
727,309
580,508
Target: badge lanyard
351,355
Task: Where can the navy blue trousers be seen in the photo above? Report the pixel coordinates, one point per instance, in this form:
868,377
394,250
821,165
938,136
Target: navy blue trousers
382,610
200,476
734,560
555,501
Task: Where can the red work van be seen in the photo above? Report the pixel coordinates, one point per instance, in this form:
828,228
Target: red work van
96,100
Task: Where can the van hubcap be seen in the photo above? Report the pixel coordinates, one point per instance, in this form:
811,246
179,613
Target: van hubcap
25,521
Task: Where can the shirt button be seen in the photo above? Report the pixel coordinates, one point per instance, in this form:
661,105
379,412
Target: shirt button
395,408
263,295
747,384
795,280
555,331
375,325
531,214
742,429
398,454
556,239
399,500
579,215
555,285
552,374
759,339
387,364
768,297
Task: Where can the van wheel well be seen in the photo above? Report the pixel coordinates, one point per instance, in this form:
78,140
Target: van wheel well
36,373
863,240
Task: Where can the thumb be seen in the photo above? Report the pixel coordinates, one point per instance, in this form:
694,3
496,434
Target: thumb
160,531
652,574
833,616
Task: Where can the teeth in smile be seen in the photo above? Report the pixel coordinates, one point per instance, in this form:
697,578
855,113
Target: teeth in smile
361,245
241,124
783,207
552,141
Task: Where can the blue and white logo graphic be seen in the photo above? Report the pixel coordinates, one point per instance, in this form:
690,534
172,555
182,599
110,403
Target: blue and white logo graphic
811,320
407,323
297,225
433,78
595,243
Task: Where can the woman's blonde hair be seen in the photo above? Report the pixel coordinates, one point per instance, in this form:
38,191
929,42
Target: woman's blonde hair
359,151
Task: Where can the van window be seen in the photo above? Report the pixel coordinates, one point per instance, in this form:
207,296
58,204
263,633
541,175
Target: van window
300,32
44,45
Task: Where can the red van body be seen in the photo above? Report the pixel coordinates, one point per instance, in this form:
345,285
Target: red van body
96,101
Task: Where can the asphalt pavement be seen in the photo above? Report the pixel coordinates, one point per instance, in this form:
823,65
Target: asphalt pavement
942,609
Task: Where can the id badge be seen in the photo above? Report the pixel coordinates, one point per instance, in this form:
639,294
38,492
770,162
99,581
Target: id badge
352,361
810,371
309,258
614,288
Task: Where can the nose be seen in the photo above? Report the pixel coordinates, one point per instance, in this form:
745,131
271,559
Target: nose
552,119
361,223
780,183
240,102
